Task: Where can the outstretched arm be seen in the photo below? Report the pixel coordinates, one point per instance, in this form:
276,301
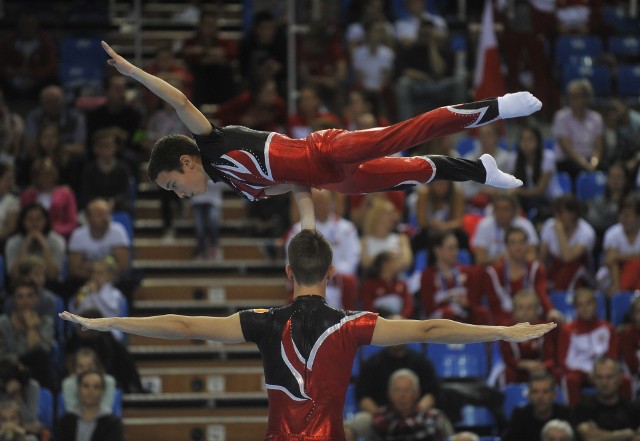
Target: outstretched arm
393,332
195,121
170,326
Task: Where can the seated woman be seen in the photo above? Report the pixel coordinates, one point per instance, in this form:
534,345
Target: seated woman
85,360
17,386
11,427
90,421
35,237
567,242
448,289
382,290
27,335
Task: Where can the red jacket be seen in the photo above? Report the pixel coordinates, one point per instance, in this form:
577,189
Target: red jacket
542,349
580,343
374,289
630,348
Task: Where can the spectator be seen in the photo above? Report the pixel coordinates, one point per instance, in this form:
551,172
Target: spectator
576,17
358,104
439,208
567,242
528,359
372,63
207,209
426,74
90,421
71,122
113,355
86,360
448,289
343,237
260,107
35,237
106,176
622,249
210,56
536,167
19,387
383,291
578,131
11,425
370,11
557,430
403,417
624,131
360,204
116,113
407,29
263,51
527,422
514,273
58,200
487,141
581,342
488,240
465,436
629,334
33,269
27,335
372,383
607,415
166,66
9,204
323,65
380,222
310,111
99,238
29,59
11,132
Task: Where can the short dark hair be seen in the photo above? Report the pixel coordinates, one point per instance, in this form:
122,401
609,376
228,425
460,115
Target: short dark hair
511,229
91,372
24,283
567,202
631,202
542,376
23,214
165,156
310,256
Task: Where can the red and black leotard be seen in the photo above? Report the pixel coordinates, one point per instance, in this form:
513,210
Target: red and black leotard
307,350
341,160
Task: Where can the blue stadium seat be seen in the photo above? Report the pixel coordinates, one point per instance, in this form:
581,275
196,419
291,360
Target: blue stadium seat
459,361
82,63
464,257
370,350
421,260
355,368
598,75
476,416
620,303
618,18
549,144
628,81
590,185
515,395
570,48
45,408
624,46
465,146
350,402
564,180
563,302
124,219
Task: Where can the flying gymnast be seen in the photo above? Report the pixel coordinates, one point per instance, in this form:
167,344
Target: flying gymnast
262,164
308,347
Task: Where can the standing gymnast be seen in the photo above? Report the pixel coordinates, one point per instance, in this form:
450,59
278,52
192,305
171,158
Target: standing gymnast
262,164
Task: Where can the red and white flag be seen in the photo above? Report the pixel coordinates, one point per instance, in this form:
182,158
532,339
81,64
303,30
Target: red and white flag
488,79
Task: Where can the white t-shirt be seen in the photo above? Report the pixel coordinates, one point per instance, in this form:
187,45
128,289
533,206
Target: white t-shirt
372,65
94,249
490,236
375,246
407,28
614,238
584,235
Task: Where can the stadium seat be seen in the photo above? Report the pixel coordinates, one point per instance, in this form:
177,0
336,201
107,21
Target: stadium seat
618,18
628,81
515,395
355,368
627,46
459,361
370,350
350,402
45,408
476,416
82,64
571,47
563,302
590,185
564,180
598,75
620,303
464,146
124,219
465,257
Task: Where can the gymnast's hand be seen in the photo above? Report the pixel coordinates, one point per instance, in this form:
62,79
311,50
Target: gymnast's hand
526,331
99,324
122,65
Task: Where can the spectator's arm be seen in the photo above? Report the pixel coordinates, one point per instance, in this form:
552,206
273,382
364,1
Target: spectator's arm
589,431
121,256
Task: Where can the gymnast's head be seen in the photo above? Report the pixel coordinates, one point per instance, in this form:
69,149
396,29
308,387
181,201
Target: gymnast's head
176,165
310,257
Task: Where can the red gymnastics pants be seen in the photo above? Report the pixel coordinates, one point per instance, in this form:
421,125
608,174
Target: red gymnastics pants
356,162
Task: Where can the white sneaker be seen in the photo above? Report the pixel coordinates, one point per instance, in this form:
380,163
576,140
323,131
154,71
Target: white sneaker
514,105
496,177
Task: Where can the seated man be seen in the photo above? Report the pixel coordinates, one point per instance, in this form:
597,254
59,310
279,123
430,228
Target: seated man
607,416
527,422
403,418
557,430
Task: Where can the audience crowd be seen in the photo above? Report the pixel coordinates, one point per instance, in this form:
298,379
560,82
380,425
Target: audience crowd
564,247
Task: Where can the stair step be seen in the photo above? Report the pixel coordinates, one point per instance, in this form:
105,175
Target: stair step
184,249
203,380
